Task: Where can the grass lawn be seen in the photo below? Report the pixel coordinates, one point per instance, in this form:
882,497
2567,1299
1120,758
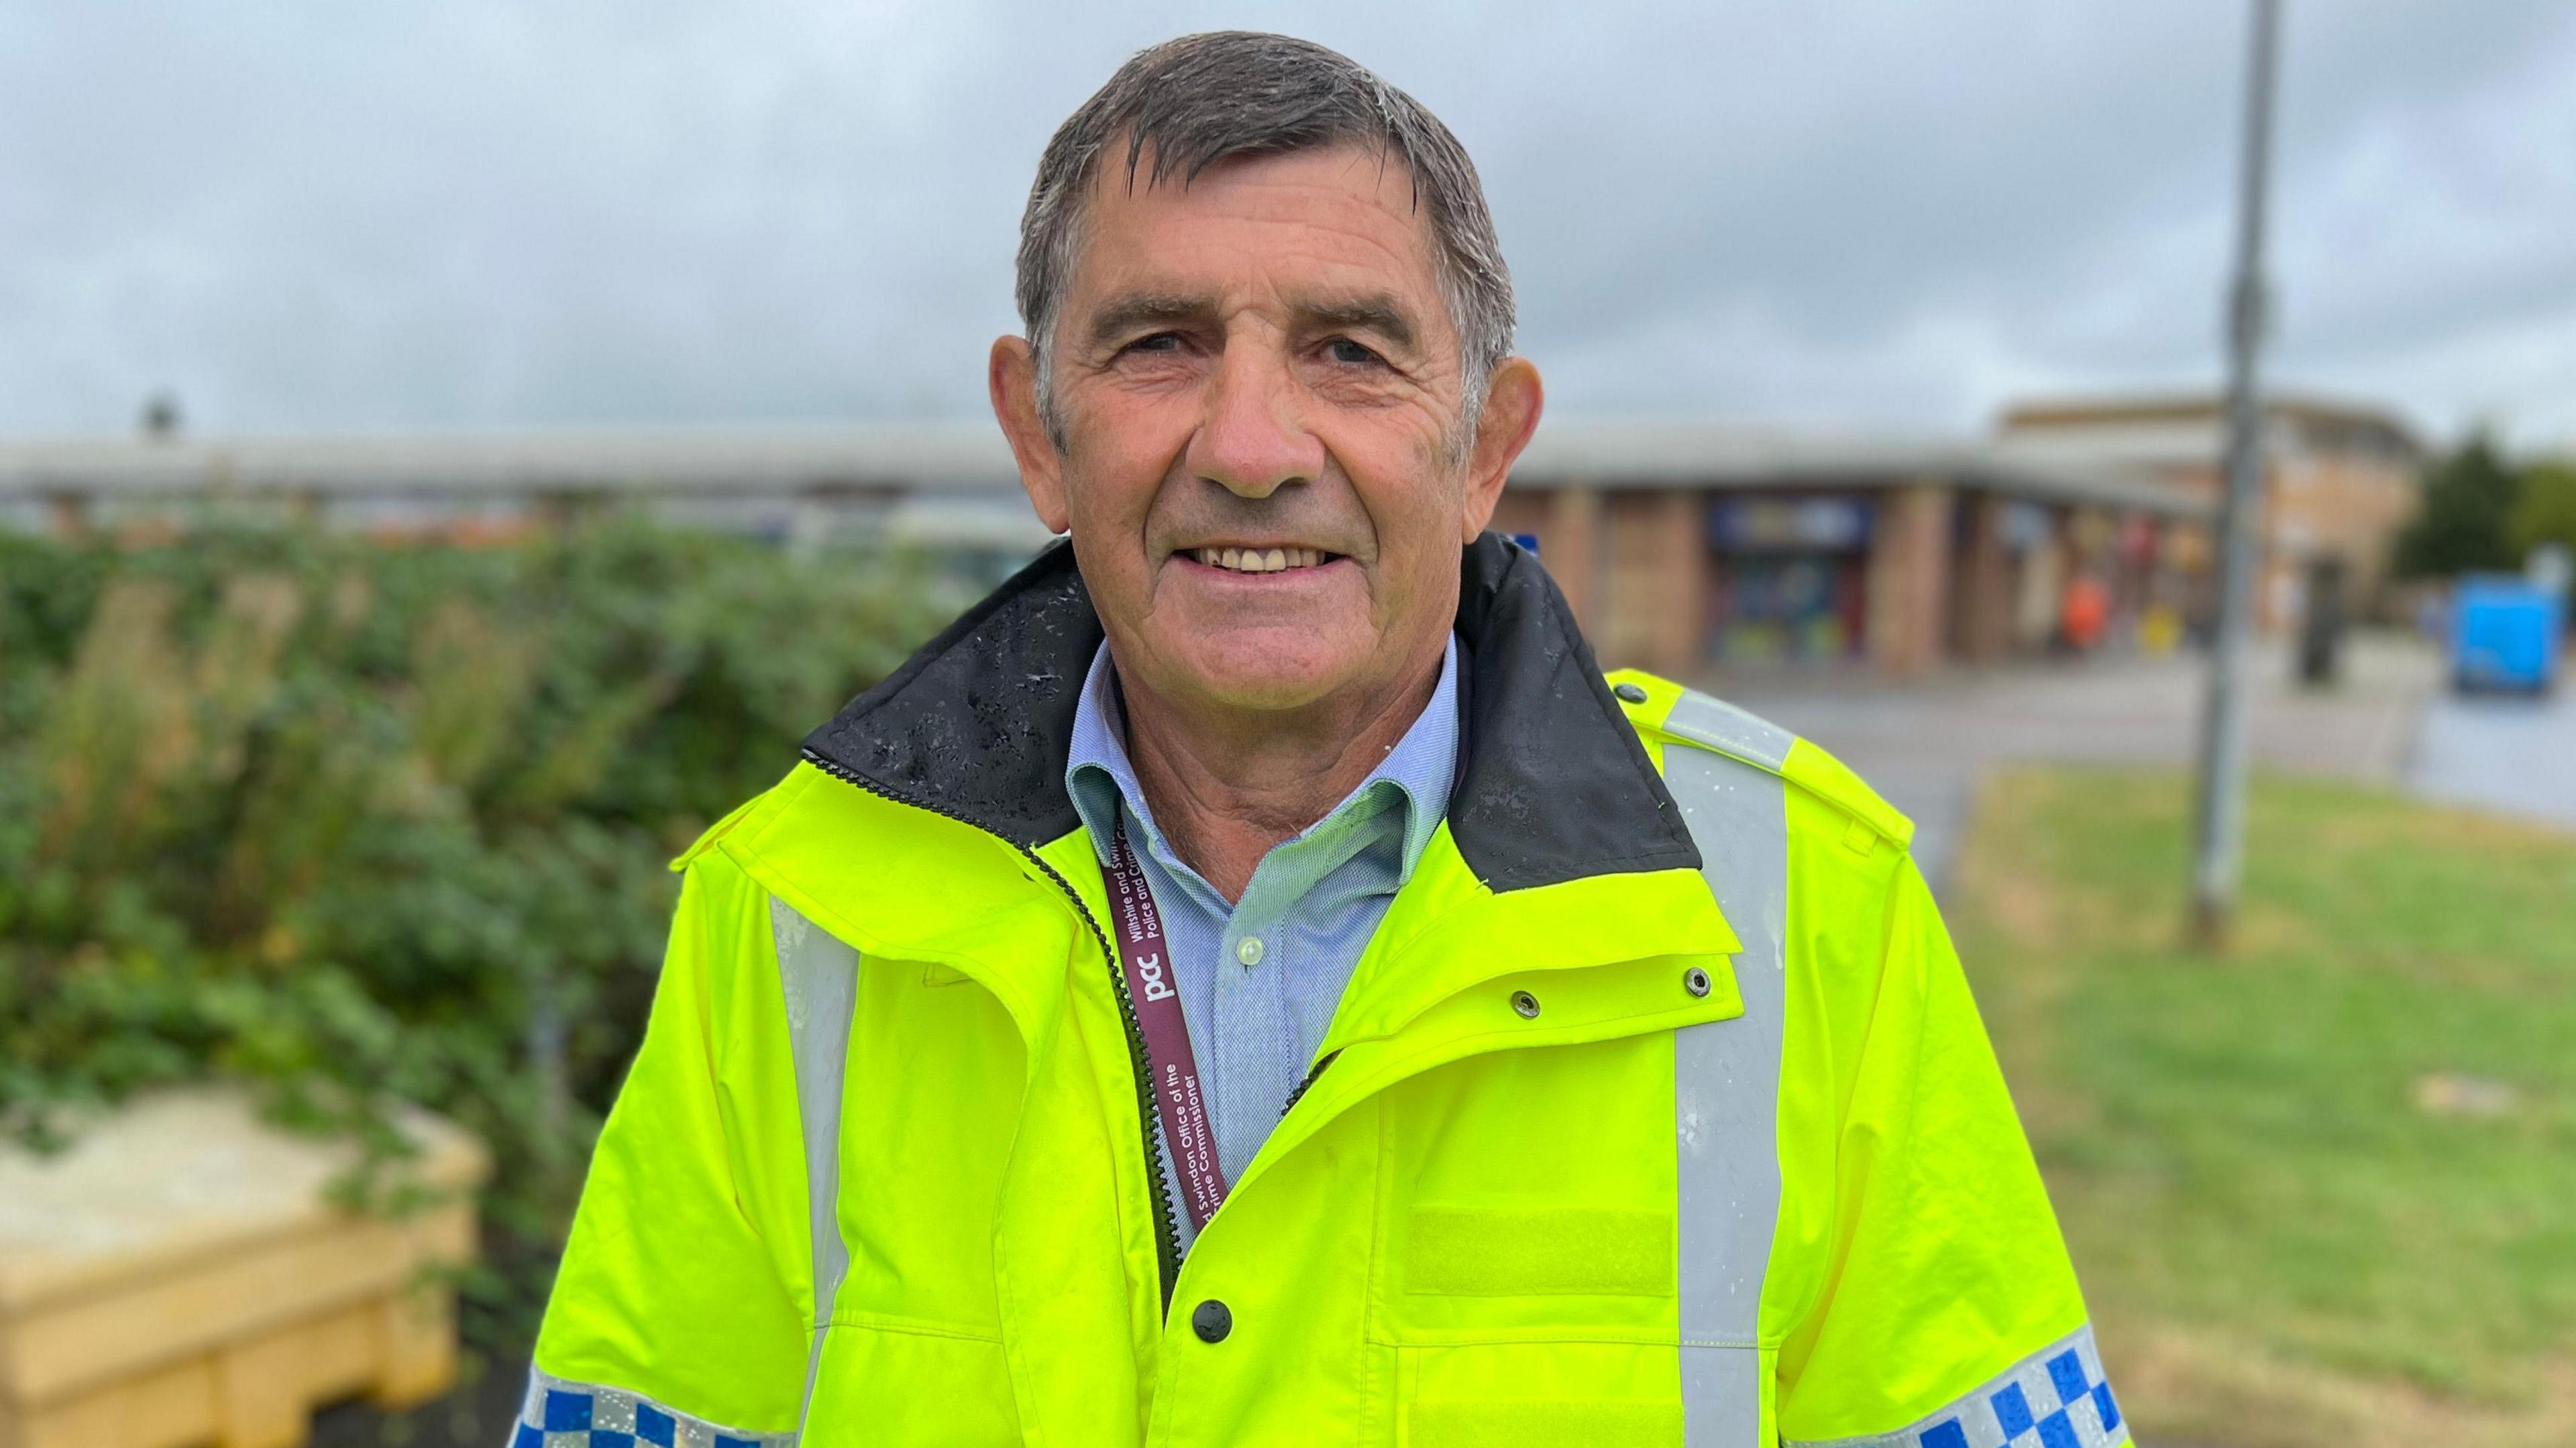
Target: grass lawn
2321,1187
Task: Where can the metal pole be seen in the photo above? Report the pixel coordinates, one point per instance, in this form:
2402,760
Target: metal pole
2220,834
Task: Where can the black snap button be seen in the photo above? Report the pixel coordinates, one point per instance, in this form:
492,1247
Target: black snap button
1526,1004
1630,693
1212,1321
1695,980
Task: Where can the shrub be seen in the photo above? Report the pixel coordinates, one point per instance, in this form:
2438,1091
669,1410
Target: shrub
358,821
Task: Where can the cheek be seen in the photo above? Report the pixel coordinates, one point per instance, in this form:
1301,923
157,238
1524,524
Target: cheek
1417,530
1124,442
1418,507
1114,486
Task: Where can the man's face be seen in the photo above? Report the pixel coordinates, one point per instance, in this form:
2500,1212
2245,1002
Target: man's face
1264,469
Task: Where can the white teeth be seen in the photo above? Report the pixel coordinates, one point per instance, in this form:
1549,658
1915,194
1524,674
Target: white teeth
1260,560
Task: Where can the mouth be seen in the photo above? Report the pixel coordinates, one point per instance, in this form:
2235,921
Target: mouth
1260,560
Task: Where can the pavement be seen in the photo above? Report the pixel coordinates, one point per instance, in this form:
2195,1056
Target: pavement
1925,743
2511,754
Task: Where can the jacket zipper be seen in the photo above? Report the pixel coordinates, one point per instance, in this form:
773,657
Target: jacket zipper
1167,1236
1311,1073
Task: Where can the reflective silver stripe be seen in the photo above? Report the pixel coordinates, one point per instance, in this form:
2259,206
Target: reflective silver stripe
820,977
1721,1396
1723,727
2056,1395
1726,1074
558,1406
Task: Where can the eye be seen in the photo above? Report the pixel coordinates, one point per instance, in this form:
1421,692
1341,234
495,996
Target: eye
1157,342
1350,353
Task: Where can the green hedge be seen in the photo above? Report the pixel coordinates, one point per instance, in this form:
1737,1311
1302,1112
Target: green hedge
359,821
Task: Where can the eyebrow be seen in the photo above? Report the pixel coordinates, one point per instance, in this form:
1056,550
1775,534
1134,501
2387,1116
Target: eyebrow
1139,309
1374,312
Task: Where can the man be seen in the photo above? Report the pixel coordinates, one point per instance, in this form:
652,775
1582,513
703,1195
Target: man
1252,980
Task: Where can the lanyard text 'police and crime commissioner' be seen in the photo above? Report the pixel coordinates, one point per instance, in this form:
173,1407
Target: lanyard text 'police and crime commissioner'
1146,958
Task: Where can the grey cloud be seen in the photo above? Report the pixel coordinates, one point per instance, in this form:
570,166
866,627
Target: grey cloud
311,216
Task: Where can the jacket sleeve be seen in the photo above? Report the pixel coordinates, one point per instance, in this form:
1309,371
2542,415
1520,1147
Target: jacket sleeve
679,1313
1949,1316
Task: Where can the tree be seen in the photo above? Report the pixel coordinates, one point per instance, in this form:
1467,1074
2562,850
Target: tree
2546,512
2466,524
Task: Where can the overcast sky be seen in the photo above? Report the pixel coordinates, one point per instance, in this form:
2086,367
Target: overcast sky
1862,213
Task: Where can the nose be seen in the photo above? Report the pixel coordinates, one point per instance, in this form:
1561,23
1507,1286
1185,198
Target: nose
1251,441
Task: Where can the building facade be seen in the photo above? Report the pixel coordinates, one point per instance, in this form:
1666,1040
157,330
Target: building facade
2340,480
1696,549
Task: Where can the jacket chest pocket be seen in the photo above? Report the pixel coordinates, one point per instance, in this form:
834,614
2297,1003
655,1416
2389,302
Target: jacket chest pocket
885,1383
1543,1325
1557,1394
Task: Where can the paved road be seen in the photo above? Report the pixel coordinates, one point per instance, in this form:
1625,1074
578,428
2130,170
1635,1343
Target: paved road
1925,744
2506,753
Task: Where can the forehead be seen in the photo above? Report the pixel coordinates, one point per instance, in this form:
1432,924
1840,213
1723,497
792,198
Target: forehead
1341,217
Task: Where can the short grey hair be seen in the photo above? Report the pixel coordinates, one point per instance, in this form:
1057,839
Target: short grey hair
1207,98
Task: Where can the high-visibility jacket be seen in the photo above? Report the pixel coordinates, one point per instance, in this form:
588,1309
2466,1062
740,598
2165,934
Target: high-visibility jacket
1656,1111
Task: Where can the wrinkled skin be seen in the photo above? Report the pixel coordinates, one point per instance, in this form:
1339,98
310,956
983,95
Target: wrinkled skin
1263,359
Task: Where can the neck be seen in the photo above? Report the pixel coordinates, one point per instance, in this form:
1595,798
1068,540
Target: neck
1227,788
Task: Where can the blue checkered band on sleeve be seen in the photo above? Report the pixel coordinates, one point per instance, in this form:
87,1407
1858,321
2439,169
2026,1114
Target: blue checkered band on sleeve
2055,1398
560,1414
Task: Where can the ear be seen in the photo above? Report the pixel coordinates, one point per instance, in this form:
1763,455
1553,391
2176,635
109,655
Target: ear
1012,377
1513,401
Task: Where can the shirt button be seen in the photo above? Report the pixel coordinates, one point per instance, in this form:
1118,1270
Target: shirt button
1212,1321
1248,950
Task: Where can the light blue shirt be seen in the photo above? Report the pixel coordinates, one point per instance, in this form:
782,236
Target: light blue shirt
1260,979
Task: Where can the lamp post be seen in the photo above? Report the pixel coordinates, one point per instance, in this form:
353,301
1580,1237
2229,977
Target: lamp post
2219,833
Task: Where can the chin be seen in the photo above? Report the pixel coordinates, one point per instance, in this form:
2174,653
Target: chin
1267,670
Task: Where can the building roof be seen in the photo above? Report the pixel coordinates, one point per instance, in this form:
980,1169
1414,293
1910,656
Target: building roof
2322,419
1654,453
896,458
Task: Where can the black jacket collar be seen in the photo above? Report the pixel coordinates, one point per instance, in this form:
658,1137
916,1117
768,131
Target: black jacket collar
1552,786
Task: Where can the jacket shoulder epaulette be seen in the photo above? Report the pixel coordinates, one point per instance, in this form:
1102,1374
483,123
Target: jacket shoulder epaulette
1669,713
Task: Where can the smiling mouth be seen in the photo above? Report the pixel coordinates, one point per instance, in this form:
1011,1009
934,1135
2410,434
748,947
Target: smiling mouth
1262,560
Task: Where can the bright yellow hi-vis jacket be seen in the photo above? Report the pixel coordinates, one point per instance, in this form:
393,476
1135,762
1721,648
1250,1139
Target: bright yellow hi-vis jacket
1656,1111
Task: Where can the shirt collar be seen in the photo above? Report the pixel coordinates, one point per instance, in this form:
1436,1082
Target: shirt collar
1418,771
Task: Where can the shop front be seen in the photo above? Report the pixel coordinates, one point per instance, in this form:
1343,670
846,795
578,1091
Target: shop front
1789,579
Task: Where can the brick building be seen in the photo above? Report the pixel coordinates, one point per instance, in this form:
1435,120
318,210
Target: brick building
1687,548
2340,479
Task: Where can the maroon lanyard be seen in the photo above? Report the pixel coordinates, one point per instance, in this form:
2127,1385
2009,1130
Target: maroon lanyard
1147,961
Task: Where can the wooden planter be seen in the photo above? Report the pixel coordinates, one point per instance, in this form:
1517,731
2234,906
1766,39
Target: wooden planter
179,1277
